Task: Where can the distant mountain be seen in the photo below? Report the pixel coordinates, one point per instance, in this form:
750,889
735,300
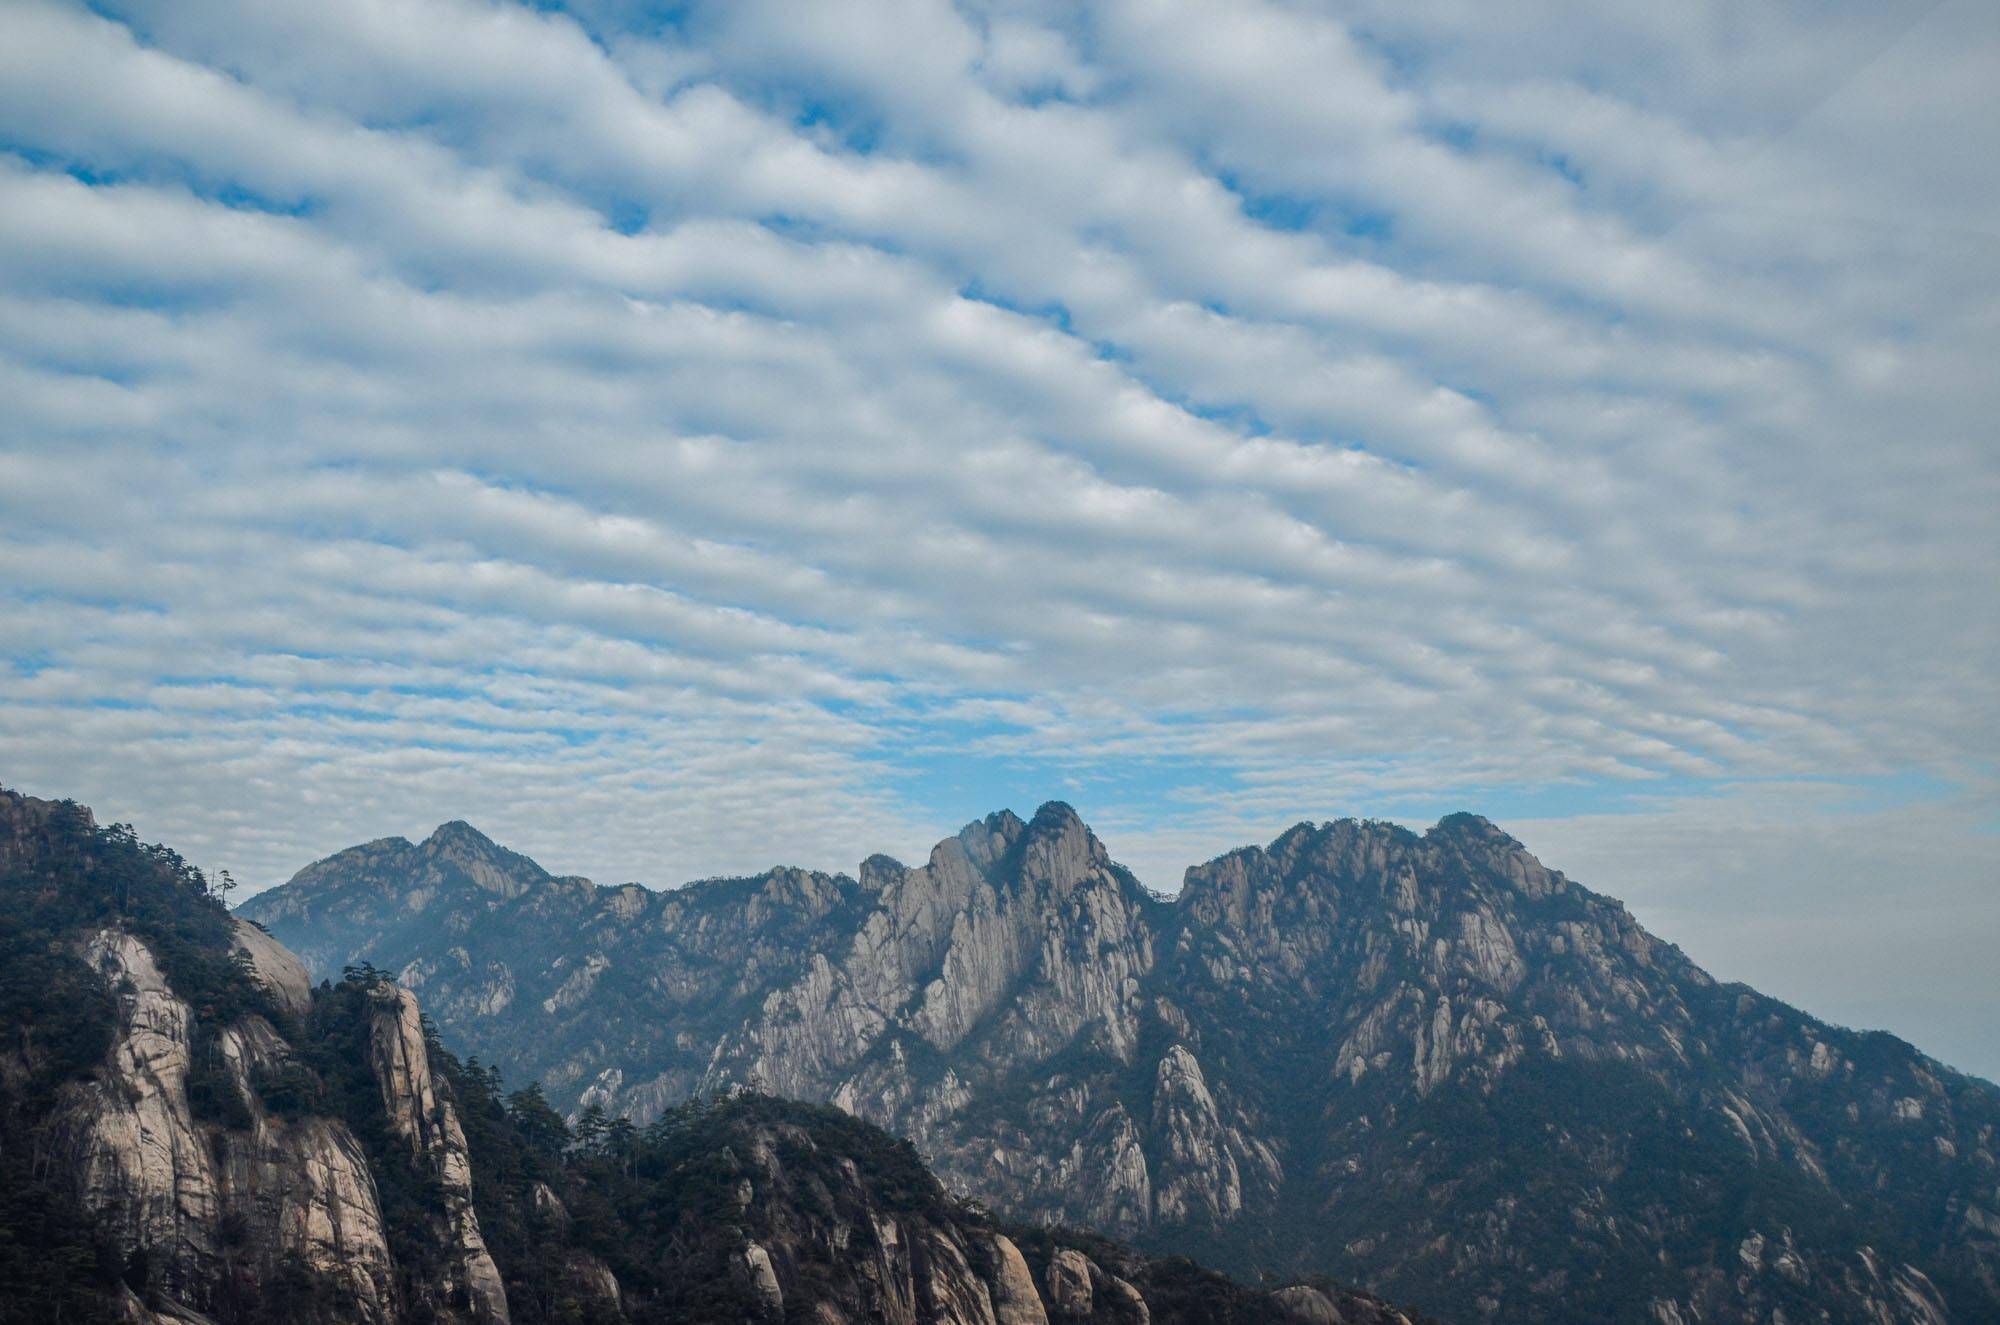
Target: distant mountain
190,1134
1422,1063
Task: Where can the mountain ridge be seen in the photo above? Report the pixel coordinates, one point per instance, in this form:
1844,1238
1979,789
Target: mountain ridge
192,1134
1295,1064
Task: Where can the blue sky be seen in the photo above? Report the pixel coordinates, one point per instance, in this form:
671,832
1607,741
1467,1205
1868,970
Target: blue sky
681,439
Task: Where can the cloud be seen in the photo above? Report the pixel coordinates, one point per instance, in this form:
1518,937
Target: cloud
680,447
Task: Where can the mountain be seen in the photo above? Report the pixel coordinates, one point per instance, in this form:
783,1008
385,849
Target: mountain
192,1134
754,1209
1426,1064
188,1132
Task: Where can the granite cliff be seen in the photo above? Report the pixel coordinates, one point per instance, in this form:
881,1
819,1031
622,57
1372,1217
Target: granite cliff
1425,1063
163,1111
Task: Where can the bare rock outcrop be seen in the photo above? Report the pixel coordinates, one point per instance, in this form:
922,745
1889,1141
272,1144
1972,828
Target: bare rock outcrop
763,1278
137,1156
1069,1276
301,1186
1123,1303
1015,1301
421,1113
1308,1306
208,1203
1202,1164
277,968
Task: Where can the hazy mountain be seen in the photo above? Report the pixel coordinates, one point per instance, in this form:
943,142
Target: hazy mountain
1427,1064
190,1134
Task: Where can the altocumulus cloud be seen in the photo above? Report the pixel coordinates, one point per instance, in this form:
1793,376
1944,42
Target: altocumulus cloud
680,440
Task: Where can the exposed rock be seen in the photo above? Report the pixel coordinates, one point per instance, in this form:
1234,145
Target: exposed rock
578,986
840,1228
547,1208
301,1186
1316,1025
594,1285
1201,1158
1123,1303
1308,1305
131,1311
764,1280
1069,1277
133,1148
202,1122
594,1281
278,970
420,1112
1015,1301
167,1183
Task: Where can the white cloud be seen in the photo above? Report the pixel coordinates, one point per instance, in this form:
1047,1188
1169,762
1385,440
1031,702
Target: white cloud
779,439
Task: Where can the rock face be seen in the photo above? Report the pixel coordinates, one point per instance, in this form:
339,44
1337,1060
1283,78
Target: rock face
187,1125
1069,1283
1015,1301
771,1210
276,968
822,1234
1426,1063
183,1189
1307,1305
219,1209
301,1186
422,1116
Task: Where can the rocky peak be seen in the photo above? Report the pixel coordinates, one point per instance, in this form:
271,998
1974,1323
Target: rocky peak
26,820
353,898
459,833
879,871
1327,858
1369,867
987,840
1059,847
1476,827
459,846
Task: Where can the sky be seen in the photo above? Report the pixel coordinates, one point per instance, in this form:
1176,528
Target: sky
681,439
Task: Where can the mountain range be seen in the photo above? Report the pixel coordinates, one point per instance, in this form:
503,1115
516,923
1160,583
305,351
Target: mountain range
1426,1064
191,1133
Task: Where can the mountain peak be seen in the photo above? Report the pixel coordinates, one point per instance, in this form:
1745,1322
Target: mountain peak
457,832
879,871
1467,824
1058,815
987,840
1004,823
1059,845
